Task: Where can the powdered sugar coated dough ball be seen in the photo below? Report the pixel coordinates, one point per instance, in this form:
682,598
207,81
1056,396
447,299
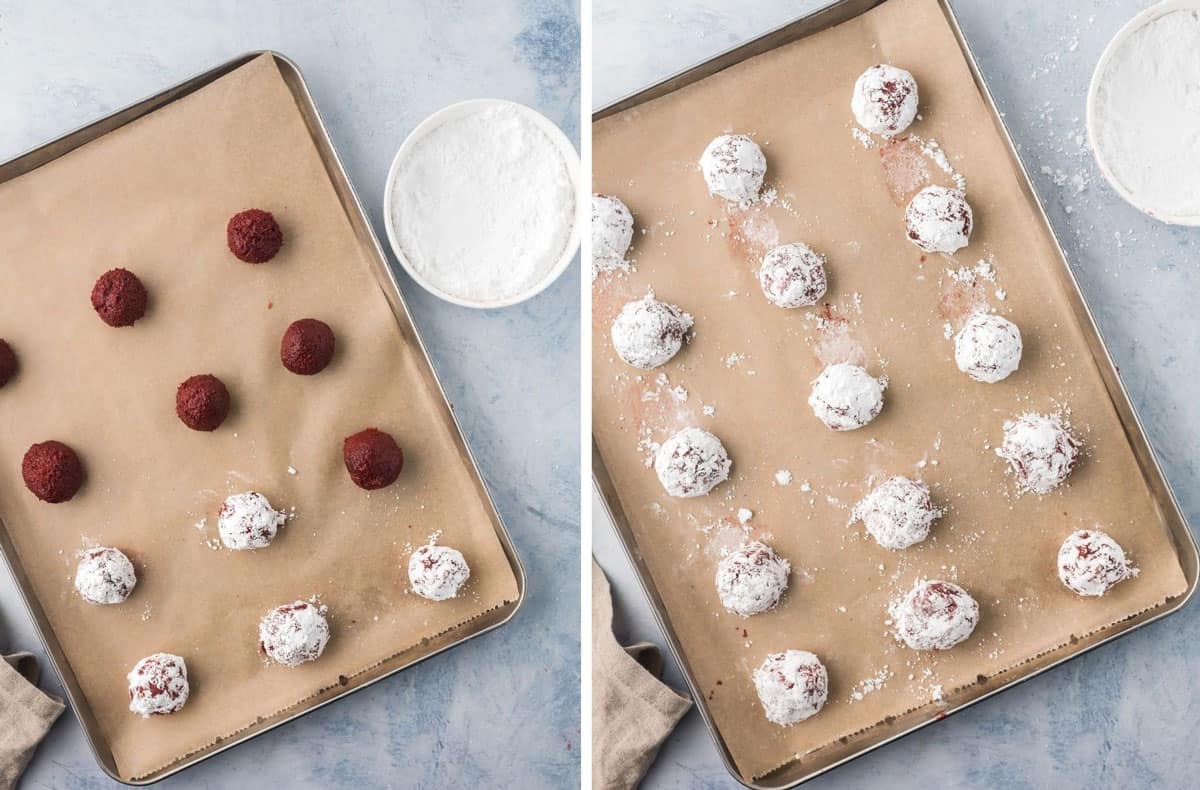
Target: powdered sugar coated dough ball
752,579
158,685
1040,450
437,572
105,576
294,633
612,230
733,166
935,615
648,333
247,521
939,219
691,463
884,100
792,686
1090,563
793,275
846,397
988,348
898,513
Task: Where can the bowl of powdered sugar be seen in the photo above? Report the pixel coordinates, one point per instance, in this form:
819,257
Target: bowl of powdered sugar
1143,112
481,203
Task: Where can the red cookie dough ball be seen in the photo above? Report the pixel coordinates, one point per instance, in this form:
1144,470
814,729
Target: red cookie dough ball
8,363
294,633
373,458
202,402
307,346
253,235
158,685
119,297
52,471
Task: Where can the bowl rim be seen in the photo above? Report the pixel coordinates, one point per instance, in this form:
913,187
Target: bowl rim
457,110
1136,23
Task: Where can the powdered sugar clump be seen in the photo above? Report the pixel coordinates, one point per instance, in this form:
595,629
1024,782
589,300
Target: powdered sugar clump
105,576
1090,563
294,633
1040,450
898,512
437,572
935,615
648,333
691,463
247,521
846,397
734,166
792,686
752,579
988,348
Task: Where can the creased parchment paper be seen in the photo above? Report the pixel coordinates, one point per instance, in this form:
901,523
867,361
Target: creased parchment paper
888,307
154,197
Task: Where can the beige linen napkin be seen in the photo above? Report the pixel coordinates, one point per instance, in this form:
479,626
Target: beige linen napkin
633,712
26,714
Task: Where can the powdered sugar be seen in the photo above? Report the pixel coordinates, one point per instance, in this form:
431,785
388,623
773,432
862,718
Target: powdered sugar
294,633
934,615
483,205
793,275
898,513
247,521
939,219
884,100
988,349
437,572
733,167
1040,450
691,463
792,686
612,234
104,576
1090,563
158,685
648,333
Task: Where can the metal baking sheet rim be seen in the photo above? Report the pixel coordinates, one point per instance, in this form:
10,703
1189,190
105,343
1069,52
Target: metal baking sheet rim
1189,557
386,279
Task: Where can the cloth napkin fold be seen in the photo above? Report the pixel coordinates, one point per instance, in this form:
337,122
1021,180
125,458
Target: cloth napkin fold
26,714
633,711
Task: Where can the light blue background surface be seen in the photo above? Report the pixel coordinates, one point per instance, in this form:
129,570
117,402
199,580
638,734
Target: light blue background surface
1128,714
502,710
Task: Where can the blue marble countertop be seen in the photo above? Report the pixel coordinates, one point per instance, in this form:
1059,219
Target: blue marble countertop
1127,714
501,710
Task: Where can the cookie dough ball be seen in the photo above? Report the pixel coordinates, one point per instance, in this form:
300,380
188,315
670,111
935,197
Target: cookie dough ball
884,100
1040,450
612,230
158,685
792,275
648,333
202,402
105,576
846,397
935,615
293,633
752,579
52,471
988,348
733,166
119,297
939,219
247,521
897,513
307,346
792,686
372,458
1090,563
8,362
691,463
437,572
253,235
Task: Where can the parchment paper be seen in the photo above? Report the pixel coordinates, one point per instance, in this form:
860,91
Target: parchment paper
154,197
752,363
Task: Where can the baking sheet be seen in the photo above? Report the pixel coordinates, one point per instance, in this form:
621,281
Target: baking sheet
752,363
154,196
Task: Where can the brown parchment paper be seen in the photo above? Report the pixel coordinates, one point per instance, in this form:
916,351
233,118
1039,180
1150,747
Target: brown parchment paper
887,307
154,197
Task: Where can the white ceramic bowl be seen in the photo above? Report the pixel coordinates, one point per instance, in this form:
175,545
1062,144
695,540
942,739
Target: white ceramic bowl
454,111
1139,21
